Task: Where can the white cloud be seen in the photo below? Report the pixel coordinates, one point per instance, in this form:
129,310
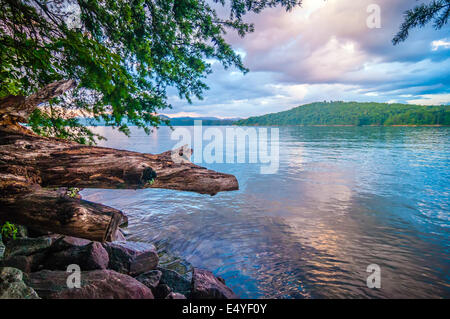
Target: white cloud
443,43
432,99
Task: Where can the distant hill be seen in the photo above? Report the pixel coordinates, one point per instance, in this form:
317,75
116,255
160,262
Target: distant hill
174,121
189,121
354,113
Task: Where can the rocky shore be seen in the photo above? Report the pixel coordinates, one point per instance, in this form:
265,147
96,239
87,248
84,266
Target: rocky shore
36,265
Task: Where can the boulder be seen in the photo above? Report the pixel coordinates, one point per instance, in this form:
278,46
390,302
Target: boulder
69,242
150,278
207,286
27,246
175,281
95,284
12,285
133,258
175,295
89,257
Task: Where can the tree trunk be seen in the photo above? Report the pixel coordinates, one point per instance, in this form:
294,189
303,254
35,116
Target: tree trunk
49,210
29,162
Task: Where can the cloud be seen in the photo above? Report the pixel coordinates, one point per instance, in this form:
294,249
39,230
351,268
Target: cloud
432,99
437,44
326,51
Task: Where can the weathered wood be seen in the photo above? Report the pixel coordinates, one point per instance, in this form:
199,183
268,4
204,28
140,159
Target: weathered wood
29,162
15,109
49,210
52,162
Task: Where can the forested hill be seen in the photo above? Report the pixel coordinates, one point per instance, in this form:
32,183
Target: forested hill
354,113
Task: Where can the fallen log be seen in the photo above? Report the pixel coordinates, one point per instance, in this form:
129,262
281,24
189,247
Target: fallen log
47,209
30,163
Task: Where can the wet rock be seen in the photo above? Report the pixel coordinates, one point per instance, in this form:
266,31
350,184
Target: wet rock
175,281
131,258
175,295
12,285
207,286
182,267
162,291
150,278
89,257
95,284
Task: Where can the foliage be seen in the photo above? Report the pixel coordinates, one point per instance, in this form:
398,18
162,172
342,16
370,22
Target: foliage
8,230
354,113
124,54
73,192
437,11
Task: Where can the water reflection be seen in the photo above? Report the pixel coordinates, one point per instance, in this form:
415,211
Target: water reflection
343,198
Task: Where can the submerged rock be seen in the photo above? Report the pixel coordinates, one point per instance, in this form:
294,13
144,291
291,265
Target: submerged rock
150,278
207,286
12,285
175,281
96,284
133,258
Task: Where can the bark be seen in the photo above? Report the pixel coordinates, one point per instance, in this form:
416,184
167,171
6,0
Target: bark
47,209
28,159
15,109
30,163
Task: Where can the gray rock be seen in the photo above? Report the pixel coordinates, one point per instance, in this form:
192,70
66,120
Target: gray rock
131,258
12,285
150,278
95,284
27,246
89,257
175,281
207,286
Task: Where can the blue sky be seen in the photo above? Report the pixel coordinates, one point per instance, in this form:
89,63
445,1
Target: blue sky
324,50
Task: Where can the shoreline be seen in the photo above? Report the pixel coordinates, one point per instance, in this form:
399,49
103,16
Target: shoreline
342,125
35,265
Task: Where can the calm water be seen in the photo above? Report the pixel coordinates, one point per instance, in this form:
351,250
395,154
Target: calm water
343,198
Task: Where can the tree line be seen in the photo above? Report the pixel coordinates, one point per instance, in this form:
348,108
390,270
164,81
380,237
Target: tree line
355,113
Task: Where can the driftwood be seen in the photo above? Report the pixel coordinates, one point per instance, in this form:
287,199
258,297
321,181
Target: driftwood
31,165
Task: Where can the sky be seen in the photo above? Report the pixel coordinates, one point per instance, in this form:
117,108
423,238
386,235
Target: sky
326,51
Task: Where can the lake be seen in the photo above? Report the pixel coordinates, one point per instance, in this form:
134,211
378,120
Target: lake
343,198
